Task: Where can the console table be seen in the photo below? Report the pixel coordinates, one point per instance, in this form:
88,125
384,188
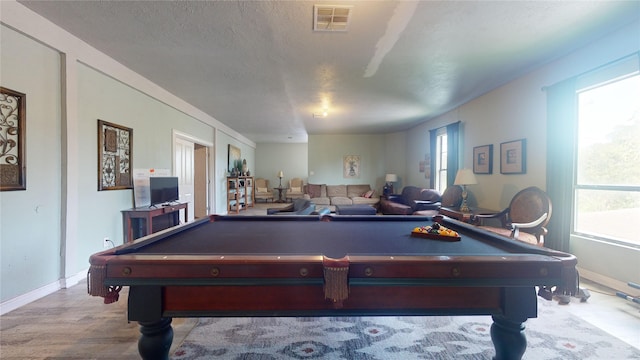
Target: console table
142,221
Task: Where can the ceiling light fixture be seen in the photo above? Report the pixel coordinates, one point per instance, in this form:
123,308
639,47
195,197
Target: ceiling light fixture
331,17
323,114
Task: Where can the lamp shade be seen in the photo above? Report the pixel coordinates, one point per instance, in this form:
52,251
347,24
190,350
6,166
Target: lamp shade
280,174
465,177
391,178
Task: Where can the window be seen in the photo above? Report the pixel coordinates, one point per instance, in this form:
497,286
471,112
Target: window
441,160
607,173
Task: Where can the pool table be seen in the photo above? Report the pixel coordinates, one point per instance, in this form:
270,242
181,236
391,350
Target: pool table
327,265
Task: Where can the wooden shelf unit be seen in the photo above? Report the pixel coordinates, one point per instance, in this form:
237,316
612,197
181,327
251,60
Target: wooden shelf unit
240,193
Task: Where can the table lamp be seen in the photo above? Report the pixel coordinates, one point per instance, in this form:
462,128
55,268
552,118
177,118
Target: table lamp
280,175
465,177
390,179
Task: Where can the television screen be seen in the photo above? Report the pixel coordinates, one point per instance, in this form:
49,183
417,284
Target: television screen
163,189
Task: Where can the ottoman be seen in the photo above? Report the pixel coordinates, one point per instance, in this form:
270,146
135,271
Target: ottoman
359,209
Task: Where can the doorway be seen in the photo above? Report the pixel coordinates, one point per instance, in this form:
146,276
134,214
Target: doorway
191,166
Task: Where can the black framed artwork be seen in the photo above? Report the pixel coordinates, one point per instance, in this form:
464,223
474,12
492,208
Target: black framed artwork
483,159
115,154
13,168
513,157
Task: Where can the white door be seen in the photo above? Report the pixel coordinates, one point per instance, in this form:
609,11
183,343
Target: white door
184,171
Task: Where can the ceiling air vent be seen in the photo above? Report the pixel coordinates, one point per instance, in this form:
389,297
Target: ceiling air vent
331,17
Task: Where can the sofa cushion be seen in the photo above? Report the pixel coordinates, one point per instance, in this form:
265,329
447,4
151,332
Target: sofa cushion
363,200
340,200
337,190
317,190
357,190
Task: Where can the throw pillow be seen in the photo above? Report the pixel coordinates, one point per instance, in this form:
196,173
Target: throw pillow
262,189
296,189
314,190
368,194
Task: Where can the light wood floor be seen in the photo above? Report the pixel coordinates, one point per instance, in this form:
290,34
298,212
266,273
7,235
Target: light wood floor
70,324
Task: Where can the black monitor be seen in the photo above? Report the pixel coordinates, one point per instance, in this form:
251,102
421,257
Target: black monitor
164,190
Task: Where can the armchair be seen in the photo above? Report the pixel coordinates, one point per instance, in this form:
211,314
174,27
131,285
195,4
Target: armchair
263,191
525,218
412,201
295,189
297,207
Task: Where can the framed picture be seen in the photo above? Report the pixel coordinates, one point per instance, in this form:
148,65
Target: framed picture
115,154
233,157
483,159
351,166
13,168
513,157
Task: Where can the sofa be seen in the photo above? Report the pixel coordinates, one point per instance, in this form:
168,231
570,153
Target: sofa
331,195
412,201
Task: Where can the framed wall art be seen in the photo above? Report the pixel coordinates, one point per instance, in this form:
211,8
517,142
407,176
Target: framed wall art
115,156
13,169
351,166
233,157
513,157
483,159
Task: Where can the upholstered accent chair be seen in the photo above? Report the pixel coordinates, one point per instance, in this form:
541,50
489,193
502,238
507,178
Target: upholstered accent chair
525,218
412,201
263,191
295,189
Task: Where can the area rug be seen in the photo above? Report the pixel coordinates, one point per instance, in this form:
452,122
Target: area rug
555,334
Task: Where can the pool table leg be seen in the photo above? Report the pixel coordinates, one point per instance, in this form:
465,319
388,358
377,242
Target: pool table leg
507,330
155,339
508,338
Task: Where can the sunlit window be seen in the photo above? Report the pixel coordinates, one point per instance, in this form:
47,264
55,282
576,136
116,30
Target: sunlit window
441,160
607,189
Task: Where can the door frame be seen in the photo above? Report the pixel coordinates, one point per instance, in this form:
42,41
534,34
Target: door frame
175,134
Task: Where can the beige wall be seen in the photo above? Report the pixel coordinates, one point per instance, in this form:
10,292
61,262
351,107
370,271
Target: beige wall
292,159
326,154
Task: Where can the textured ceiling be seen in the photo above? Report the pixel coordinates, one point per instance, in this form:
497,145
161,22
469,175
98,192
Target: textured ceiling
258,67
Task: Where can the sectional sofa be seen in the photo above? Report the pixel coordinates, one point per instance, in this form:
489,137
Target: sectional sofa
330,195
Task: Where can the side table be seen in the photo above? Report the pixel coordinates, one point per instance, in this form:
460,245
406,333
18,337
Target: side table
280,189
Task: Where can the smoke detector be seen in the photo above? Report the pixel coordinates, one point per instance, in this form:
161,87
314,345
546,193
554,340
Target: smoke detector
331,17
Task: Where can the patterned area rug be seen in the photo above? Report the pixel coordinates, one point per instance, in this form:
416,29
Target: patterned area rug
553,335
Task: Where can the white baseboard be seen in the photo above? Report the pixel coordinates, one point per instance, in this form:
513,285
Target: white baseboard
41,292
608,282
